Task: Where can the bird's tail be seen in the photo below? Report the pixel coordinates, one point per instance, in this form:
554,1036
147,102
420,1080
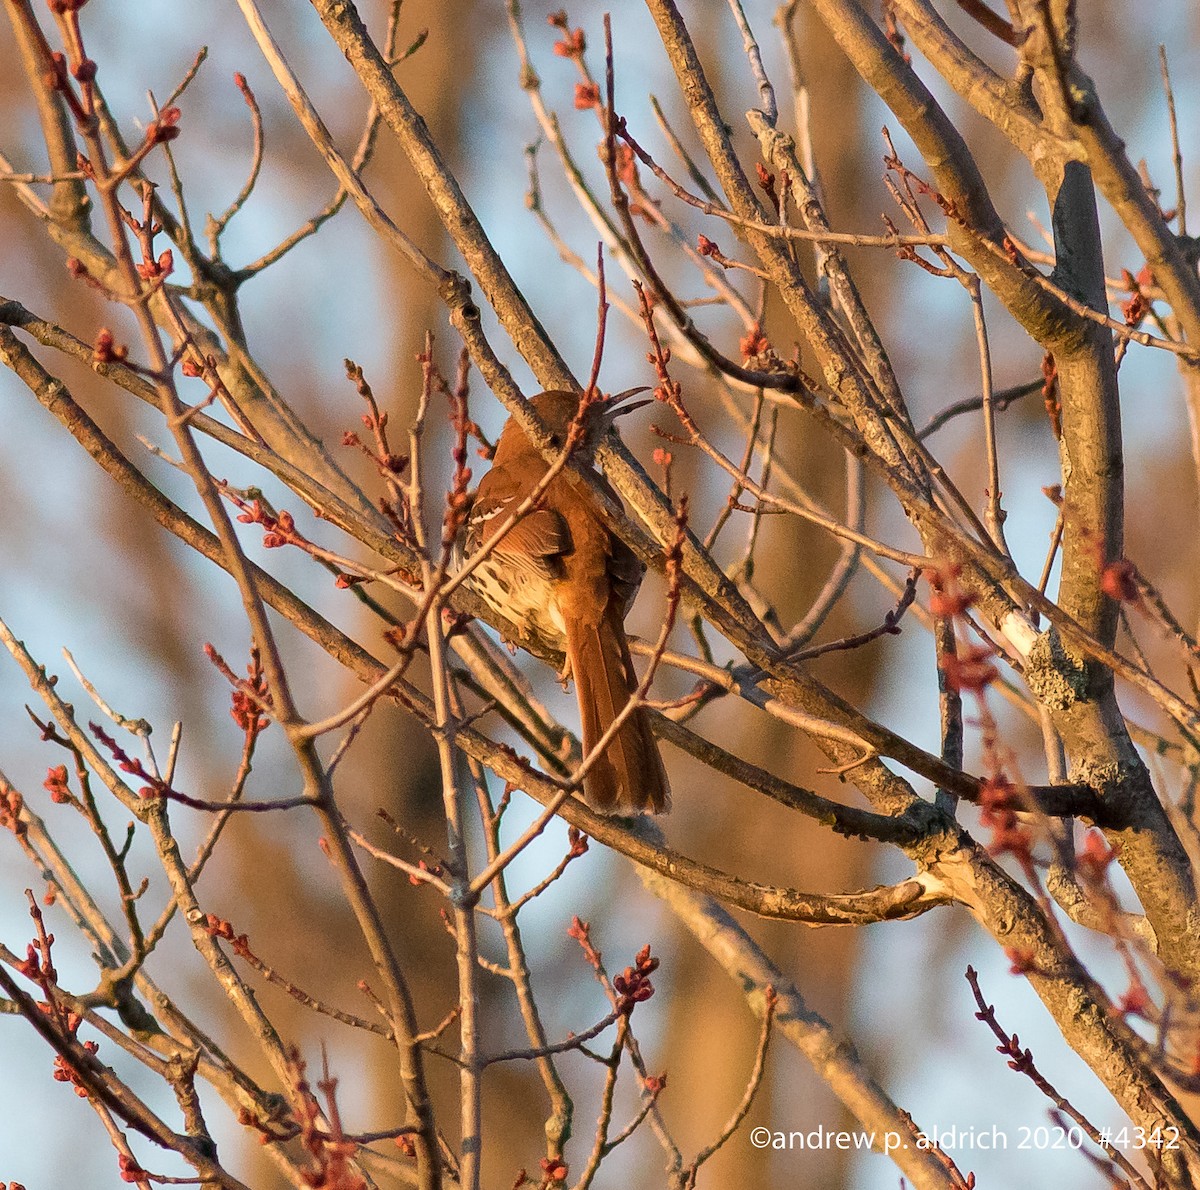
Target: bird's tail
629,777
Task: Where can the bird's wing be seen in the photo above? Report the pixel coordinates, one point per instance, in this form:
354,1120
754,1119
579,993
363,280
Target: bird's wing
626,570
541,536
538,539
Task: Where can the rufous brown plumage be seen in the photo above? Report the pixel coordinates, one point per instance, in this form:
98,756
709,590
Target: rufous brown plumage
559,575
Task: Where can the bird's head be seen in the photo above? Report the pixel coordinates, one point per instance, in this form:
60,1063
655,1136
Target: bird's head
558,409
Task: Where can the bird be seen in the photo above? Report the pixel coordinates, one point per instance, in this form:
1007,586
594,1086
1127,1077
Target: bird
562,578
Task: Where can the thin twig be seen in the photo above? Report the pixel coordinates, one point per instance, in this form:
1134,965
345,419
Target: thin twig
1176,154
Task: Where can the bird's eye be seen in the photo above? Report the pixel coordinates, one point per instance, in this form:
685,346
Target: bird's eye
555,441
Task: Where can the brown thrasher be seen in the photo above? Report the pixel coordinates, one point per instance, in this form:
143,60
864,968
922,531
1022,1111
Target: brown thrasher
560,576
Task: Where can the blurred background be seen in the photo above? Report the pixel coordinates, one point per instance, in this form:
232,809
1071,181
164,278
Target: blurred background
83,569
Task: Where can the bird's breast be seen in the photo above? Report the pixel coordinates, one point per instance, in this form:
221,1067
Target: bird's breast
523,594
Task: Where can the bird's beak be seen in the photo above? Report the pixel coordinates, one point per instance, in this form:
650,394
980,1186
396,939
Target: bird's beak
619,404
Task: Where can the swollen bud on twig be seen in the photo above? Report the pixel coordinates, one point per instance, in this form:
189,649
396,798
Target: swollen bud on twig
164,127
